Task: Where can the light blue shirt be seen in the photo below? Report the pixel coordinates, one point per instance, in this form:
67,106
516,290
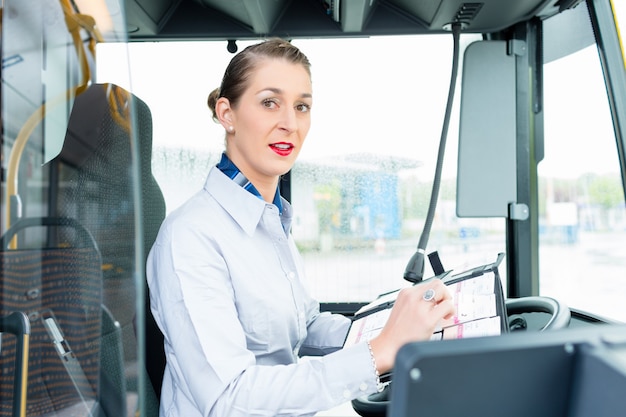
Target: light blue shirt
227,290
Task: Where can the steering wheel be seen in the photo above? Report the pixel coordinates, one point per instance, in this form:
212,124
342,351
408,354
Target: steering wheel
559,313
375,405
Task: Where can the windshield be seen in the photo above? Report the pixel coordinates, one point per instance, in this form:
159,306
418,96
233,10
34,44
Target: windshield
362,184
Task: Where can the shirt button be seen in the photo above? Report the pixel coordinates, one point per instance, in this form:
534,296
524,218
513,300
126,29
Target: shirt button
291,275
347,395
363,386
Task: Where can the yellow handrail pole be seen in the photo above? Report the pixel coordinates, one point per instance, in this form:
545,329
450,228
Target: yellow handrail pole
619,35
18,148
74,22
26,347
119,105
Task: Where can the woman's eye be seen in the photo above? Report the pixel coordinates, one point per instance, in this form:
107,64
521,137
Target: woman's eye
303,108
269,103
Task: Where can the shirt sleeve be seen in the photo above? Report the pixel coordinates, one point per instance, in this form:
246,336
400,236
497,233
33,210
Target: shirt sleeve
210,371
300,389
326,333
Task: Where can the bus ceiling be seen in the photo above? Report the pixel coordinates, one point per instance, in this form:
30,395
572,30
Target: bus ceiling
155,20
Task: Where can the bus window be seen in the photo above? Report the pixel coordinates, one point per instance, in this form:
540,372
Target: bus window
362,183
581,198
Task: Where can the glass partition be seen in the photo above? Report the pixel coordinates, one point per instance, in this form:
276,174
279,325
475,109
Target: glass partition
71,257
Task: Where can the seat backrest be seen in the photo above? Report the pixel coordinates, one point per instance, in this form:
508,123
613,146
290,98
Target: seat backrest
95,168
59,288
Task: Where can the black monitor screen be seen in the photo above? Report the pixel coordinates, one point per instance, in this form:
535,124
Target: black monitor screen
519,374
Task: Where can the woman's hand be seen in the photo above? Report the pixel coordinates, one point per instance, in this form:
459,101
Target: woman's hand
413,318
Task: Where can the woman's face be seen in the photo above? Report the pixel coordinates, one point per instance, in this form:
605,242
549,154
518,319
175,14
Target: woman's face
271,120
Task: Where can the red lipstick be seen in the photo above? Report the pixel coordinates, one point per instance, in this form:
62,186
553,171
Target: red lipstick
282,148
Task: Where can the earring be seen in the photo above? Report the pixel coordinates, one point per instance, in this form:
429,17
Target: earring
231,129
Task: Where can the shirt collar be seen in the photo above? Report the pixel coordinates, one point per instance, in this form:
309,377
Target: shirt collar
245,208
231,171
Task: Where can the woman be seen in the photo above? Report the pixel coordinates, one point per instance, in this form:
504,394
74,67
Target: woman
226,279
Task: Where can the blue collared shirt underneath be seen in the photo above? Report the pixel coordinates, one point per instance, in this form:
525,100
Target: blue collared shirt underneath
231,171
